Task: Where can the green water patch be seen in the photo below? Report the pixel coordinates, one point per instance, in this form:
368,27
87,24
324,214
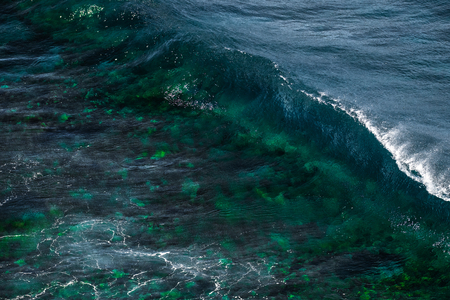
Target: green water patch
20,236
82,22
17,246
184,146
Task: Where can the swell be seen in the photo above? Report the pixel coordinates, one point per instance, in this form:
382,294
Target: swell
254,88
341,132
134,39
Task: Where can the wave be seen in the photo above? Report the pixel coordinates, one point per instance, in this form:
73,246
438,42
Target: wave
137,41
265,93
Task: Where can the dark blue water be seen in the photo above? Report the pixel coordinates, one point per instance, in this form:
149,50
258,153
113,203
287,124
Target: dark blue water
224,149
386,64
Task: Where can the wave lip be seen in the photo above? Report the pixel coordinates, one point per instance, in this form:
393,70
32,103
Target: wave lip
417,165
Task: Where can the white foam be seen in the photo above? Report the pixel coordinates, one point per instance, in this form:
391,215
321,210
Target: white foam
284,78
415,164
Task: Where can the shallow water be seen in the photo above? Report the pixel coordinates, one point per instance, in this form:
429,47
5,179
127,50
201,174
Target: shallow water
210,150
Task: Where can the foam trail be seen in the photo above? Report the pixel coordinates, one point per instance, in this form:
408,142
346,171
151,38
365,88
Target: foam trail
416,165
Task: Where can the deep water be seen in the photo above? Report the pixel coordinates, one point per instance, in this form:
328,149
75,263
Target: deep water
223,150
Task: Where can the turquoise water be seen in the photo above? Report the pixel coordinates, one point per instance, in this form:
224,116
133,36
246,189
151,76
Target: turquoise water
223,150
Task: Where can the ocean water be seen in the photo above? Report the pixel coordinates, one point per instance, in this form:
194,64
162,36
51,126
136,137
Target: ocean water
385,64
224,149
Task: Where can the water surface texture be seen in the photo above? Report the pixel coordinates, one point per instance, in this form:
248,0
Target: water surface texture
224,149
386,64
